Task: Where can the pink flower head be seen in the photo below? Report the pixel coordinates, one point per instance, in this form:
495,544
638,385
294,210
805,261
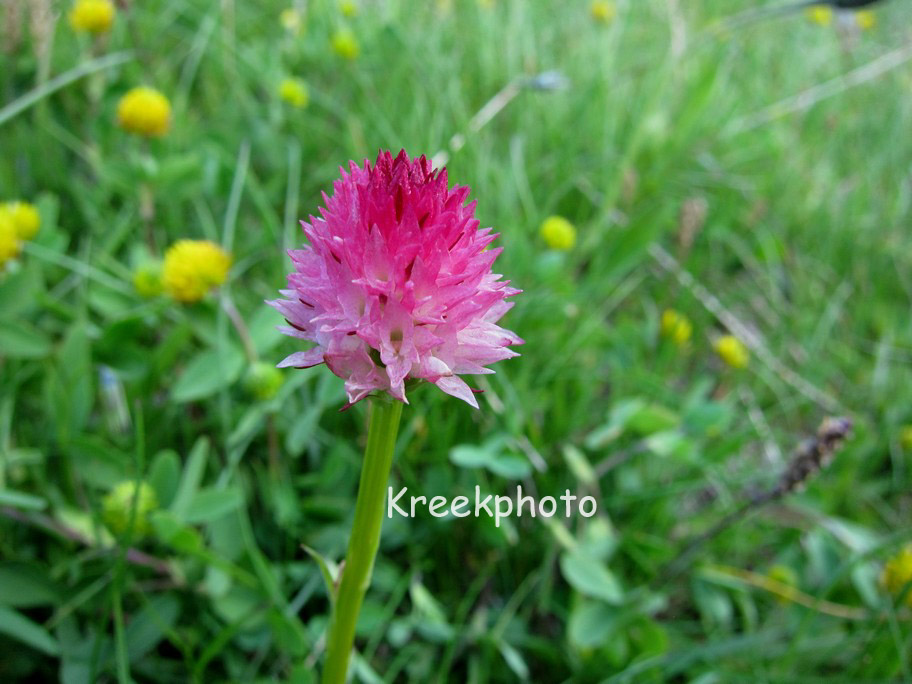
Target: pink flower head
396,283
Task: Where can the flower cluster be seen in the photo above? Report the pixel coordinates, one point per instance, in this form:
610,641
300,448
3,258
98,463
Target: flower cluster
118,508
897,573
558,233
676,327
294,91
345,44
192,268
92,16
603,11
732,351
19,221
396,283
144,111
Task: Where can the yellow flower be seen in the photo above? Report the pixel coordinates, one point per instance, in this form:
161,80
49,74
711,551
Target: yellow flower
193,267
25,218
92,16
905,437
294,91
147,279
349,8
732,350
144,111
291,20
603,11
345,44
820,14
676,327
558,233
865,19
118,508
10,244
898,573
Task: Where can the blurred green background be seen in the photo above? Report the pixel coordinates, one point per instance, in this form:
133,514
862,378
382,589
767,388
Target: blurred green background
753,181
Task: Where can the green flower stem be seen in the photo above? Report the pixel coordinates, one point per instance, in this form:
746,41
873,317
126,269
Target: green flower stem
365,536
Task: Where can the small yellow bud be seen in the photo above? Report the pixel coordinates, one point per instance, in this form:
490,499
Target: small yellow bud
263,380
92,16
117,508
897,573
821,15
865,19
603,11
147,279
732,350
193,267
905,437
25,217
345,44
676,327
144,111
349,8
10,243
291,20
558,233
294,91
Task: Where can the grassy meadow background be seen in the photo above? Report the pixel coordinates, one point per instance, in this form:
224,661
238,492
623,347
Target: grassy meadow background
670,139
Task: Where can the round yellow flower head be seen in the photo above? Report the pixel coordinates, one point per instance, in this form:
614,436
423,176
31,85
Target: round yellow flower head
92,16
676,327
898,573
603,11
732,350
193,267
10,243
117,508
147,279
263,380
349,8
25,217
291,20
558,233
865,19
345,44
821,15
294,91
905,437
144,111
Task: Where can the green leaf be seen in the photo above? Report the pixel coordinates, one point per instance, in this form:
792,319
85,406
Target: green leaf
514,660
211,504
579,465
653,418
469,456
510,466
22,629
149,627
592,623
164,476
19,340
620,416
207,373
25,585
29,502
590,577
328,570
192,476
175,534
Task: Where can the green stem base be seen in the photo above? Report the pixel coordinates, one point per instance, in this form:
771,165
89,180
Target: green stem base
365,537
